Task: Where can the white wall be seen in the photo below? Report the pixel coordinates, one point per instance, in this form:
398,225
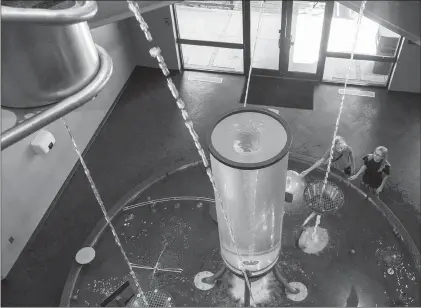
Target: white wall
159,19
30,181
406,76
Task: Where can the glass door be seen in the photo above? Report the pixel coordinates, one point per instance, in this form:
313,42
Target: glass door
265,20
289,38
210,35
302,39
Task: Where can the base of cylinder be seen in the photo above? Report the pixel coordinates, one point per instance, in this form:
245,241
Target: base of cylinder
295,292
252,274
204,280
300,292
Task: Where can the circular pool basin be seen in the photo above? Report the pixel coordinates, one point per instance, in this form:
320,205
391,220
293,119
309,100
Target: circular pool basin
352,270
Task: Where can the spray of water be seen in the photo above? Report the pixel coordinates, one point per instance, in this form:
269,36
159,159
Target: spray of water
140,294
313,235
252,54
357,30
310,217
252,246
155,52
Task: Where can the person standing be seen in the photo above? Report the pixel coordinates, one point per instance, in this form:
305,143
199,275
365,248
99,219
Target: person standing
375,170
342,160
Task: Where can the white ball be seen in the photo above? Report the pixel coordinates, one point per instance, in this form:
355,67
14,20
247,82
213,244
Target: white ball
85,255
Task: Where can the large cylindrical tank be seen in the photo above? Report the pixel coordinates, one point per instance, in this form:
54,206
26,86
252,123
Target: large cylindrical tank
47,51
249,158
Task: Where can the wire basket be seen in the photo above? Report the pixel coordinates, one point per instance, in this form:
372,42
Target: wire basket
155,299
332,199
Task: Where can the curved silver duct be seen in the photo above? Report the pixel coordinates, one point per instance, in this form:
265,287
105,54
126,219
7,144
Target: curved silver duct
49,59
62,108
82,11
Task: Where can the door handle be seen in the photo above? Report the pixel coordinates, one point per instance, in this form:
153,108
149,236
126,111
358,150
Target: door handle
289,39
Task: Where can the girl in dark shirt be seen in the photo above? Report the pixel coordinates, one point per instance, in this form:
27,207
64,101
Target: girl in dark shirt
376,170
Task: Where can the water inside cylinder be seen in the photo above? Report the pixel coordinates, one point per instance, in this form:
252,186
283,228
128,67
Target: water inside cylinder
254,198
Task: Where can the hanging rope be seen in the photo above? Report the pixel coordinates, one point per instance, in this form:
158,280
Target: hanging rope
252,55
155,52
357,30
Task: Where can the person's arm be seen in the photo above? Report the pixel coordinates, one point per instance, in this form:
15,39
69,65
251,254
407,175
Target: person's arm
379,190
361,171
386,172
351,158
314,166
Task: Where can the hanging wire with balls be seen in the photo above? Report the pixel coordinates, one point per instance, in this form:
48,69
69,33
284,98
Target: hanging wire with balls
155,52
319,194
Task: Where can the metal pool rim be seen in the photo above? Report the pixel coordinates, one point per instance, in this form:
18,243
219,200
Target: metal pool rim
118,208
377,203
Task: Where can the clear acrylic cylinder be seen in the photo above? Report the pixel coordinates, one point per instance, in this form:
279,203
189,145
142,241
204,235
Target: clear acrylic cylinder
249,159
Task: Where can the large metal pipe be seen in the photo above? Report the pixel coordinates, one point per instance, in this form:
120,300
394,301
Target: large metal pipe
47,54
80,12
69,104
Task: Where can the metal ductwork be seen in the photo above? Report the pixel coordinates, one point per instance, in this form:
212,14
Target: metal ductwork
49,58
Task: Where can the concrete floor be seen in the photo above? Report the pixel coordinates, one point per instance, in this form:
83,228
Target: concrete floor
144,136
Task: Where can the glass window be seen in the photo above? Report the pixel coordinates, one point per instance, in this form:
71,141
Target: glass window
220,21
306,34
362,72
373,39
264,32
212,58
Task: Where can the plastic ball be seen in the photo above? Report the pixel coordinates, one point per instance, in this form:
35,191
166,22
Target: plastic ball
85,255
155,51
295,185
